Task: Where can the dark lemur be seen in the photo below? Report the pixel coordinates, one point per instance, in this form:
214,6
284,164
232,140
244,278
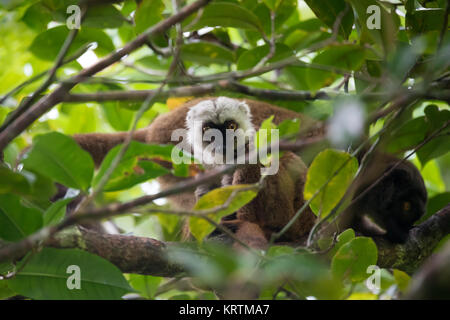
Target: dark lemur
394,204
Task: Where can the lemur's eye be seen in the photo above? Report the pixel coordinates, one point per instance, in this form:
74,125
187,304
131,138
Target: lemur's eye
205,128
406,206
232,125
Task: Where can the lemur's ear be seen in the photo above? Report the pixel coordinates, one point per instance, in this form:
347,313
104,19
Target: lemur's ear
244,108
190,115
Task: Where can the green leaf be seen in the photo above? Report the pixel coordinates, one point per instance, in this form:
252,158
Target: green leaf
56,212
16,220
276,251
5,291
169,222
435,204
148,13
117,115
264,133
135,166
300,39
45,276
402,279
425,19
42,189
206,53
105,16
386,35
431,174
199,227
323,168
13,182
60,158
272,4
329,11
408,135
37,16
402,61
284,10
47,44
251,58
145,285
226,14
343,238
289,127
353,258
297,76
347,57
154,62
438,146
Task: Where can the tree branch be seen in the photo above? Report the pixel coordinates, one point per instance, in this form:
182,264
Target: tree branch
420,244
149,256
196,90
129,253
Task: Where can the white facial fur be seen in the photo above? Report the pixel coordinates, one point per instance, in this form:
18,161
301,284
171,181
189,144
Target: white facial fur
217,111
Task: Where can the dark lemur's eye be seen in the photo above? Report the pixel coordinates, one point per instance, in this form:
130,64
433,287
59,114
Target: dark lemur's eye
232,125
205,128
406,206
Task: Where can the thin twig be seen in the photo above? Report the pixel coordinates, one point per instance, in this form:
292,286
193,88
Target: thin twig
271,43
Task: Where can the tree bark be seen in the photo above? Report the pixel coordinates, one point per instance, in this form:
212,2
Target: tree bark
129,253
420,244
150,257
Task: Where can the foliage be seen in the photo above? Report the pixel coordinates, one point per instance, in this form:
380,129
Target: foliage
336,52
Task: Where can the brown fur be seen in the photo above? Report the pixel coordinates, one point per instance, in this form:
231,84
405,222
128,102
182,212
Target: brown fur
160,130
276,203
99,144
279,199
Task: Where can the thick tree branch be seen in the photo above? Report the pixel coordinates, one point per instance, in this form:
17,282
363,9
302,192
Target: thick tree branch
234,86
420,244
149,256
130,254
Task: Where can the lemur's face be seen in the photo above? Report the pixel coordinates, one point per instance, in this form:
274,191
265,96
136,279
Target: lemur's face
220,129
409,199
227,130
397,201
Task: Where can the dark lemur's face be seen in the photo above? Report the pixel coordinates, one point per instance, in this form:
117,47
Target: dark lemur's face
222,127
400,201
225,129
